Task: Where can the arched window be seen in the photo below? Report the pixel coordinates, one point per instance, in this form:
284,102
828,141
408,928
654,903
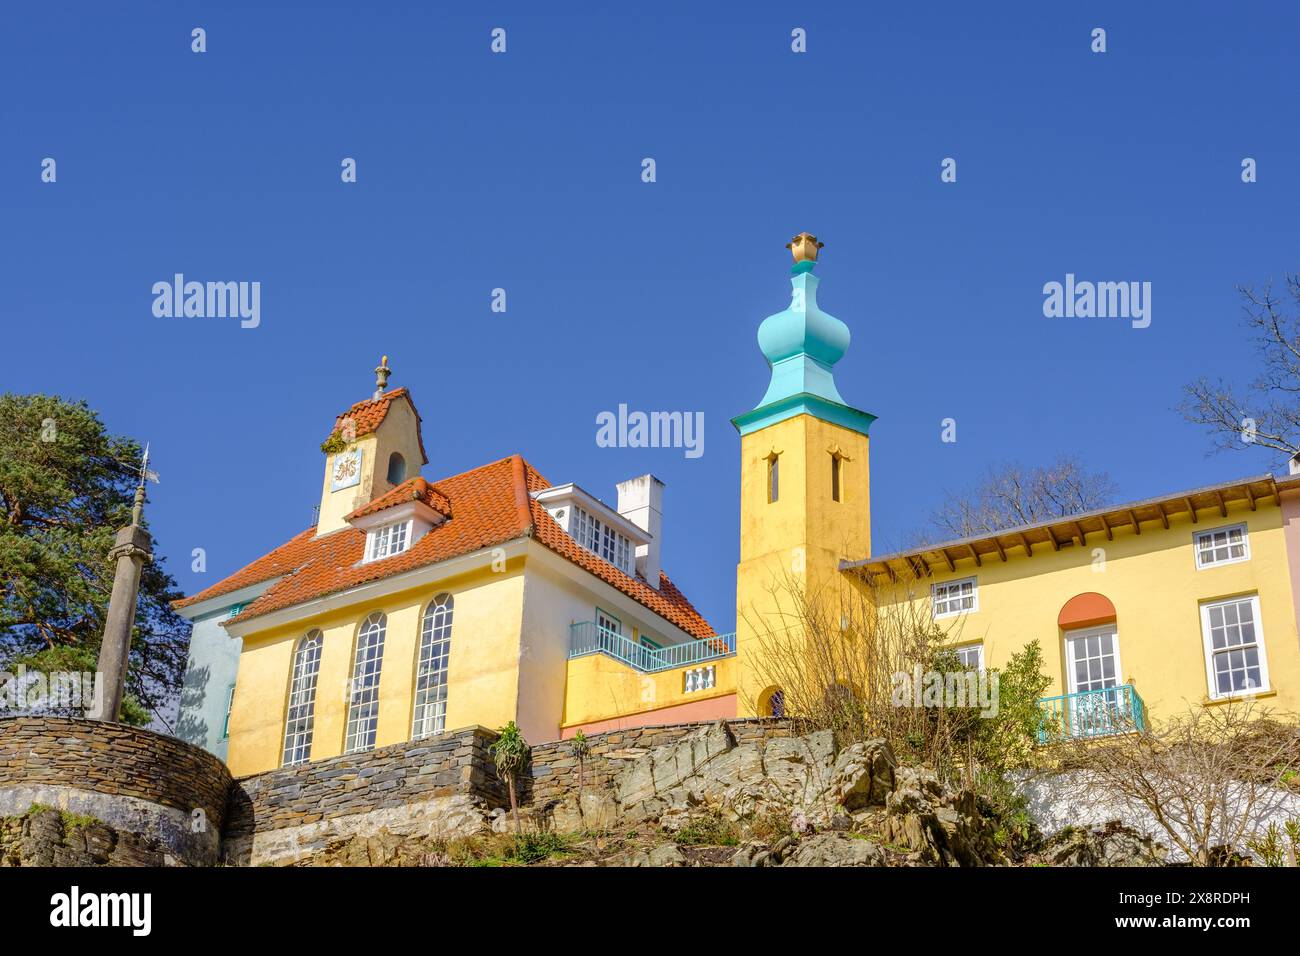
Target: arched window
772,703
302,699
363,701
431,669
396,469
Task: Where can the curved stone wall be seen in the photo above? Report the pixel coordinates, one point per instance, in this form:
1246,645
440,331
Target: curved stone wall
158,788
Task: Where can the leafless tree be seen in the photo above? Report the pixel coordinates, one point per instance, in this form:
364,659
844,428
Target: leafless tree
1209,777
1266,414
1013,494
834,652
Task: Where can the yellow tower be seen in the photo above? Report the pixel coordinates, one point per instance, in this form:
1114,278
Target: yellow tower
804,488
374,447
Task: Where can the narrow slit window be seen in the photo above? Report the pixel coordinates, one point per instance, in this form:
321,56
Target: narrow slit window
835,477
773,478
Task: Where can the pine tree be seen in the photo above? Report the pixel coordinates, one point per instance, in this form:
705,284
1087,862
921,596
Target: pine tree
66,487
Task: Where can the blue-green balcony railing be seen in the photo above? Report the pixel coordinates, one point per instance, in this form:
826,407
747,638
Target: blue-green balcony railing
1092,713
587,637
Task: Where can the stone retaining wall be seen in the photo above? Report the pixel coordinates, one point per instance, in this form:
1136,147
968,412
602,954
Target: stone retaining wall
156,787
435,786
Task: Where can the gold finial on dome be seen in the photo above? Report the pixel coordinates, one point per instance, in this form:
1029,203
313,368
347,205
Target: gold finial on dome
804,247
382,371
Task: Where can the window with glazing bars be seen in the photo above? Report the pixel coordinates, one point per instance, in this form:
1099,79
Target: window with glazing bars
363,699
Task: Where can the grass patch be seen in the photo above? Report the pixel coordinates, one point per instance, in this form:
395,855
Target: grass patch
502,849
713,830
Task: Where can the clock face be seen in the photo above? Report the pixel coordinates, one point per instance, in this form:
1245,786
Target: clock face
347,470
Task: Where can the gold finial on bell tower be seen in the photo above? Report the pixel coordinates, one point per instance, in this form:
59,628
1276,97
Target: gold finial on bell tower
804,247
382,371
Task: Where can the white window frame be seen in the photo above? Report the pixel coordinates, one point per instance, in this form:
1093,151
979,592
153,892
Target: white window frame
1207,640
300,714
430,711
603,540
363,689
1071,678
1222,529
979,653
388,540
947,585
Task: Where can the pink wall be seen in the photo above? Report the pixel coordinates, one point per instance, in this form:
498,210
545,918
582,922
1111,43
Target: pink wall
1291,533
704,710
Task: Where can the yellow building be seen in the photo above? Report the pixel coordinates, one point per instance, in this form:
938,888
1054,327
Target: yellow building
413,607
1141,609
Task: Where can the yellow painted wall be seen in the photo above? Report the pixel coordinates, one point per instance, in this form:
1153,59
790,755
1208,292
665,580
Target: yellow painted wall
1153,581
600,688
482,670
399,432
799,539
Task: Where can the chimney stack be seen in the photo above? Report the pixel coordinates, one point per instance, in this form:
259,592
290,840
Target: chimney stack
641,501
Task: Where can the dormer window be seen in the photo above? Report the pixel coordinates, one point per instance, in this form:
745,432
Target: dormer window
600,538
388,540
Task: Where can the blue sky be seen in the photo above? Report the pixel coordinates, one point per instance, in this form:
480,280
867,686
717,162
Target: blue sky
522,171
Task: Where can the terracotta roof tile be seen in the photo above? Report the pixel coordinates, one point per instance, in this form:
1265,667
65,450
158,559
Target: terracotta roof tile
489,506
369,414
416,489
285,559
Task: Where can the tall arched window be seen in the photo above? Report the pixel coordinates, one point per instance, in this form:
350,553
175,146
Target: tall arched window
431,669
302,699
363,703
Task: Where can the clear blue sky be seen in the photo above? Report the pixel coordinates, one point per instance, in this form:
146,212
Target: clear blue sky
522,171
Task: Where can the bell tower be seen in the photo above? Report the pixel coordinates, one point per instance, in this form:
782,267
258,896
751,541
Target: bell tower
804,479
374,446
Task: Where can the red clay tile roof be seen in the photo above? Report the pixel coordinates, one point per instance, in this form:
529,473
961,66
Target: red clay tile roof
285,559
369,414
490,505
417,489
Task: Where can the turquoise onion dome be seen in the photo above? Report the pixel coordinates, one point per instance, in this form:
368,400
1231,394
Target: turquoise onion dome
802,343
803,329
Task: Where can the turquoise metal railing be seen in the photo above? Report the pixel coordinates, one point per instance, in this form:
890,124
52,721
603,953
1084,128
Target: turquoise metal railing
1092,713
587,637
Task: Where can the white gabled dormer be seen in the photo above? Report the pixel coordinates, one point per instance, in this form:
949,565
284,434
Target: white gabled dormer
596,526
395,529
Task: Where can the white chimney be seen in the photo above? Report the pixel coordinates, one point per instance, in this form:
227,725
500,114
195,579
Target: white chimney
1292,465
641,501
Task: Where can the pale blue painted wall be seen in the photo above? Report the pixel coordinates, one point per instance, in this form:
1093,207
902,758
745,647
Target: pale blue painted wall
212,670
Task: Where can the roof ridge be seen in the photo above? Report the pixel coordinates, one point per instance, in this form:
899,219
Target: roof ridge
519,479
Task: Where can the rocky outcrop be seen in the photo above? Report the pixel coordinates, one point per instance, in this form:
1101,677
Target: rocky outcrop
945,826
791,775
1112,844
45,836
836,849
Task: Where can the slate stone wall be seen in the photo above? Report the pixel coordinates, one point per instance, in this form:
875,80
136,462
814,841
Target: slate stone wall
168,793
387,778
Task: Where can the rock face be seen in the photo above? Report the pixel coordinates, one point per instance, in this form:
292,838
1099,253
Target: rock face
45,836
1112,844
836,849
794,775
945,826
